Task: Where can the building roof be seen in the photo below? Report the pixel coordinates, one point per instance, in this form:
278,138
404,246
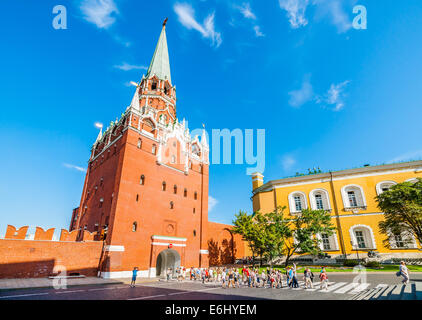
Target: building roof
322,176
160,63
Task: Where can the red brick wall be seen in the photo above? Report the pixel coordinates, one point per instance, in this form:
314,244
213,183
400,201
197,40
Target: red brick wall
223,246
37,258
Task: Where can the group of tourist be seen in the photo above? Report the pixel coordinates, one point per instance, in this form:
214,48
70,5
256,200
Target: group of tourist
251,277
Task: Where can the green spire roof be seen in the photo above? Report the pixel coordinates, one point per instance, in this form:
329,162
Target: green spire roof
160,64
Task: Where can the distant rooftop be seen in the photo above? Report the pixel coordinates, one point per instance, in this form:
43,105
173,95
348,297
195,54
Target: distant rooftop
319,174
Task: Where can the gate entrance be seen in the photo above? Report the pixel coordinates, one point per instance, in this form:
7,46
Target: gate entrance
167,259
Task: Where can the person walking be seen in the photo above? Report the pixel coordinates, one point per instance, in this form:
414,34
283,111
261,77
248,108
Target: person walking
223,278
288,279
404,272
308,280
295,283
134,275
324,279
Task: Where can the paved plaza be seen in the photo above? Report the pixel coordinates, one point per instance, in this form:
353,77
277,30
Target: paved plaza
341,287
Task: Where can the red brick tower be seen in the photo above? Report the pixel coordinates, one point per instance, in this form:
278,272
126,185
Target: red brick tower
147,183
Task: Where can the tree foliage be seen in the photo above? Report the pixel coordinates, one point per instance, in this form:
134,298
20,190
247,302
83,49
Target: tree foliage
402,207
273,234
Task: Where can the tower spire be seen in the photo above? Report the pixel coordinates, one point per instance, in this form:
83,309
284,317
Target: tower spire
160,63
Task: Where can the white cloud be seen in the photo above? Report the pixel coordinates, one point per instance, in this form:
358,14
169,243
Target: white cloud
258,32
295,12
414,155
288,162
334,10
246,11
127,67
71,166
303,95
186,15
335,96
99,12
212,202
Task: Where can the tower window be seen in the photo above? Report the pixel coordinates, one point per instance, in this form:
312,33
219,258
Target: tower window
195,195
137,197
194,233
171,205
154,85
175,189
185,193
193,210
163,186
139,143
154,149
142,181
134,226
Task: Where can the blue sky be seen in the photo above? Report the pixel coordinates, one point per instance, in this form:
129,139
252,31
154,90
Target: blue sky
328,95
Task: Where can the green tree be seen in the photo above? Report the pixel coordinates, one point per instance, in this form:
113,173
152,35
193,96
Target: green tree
249,227
402,207
272,235
301,237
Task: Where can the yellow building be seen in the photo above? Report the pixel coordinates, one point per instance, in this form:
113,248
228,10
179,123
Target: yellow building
349,195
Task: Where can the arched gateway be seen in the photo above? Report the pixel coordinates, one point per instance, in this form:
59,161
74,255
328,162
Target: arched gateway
167,259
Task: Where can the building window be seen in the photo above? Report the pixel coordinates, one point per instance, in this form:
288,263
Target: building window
163,186
154,85
193,210
101,202
194,233
325,242
154,149
171,205
319,202
185,192
173,159
134,226
384,186
195,195
175,189
352,199
190,164
137,197
298,203
399,241
96,227
360,239
142,181
139,143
